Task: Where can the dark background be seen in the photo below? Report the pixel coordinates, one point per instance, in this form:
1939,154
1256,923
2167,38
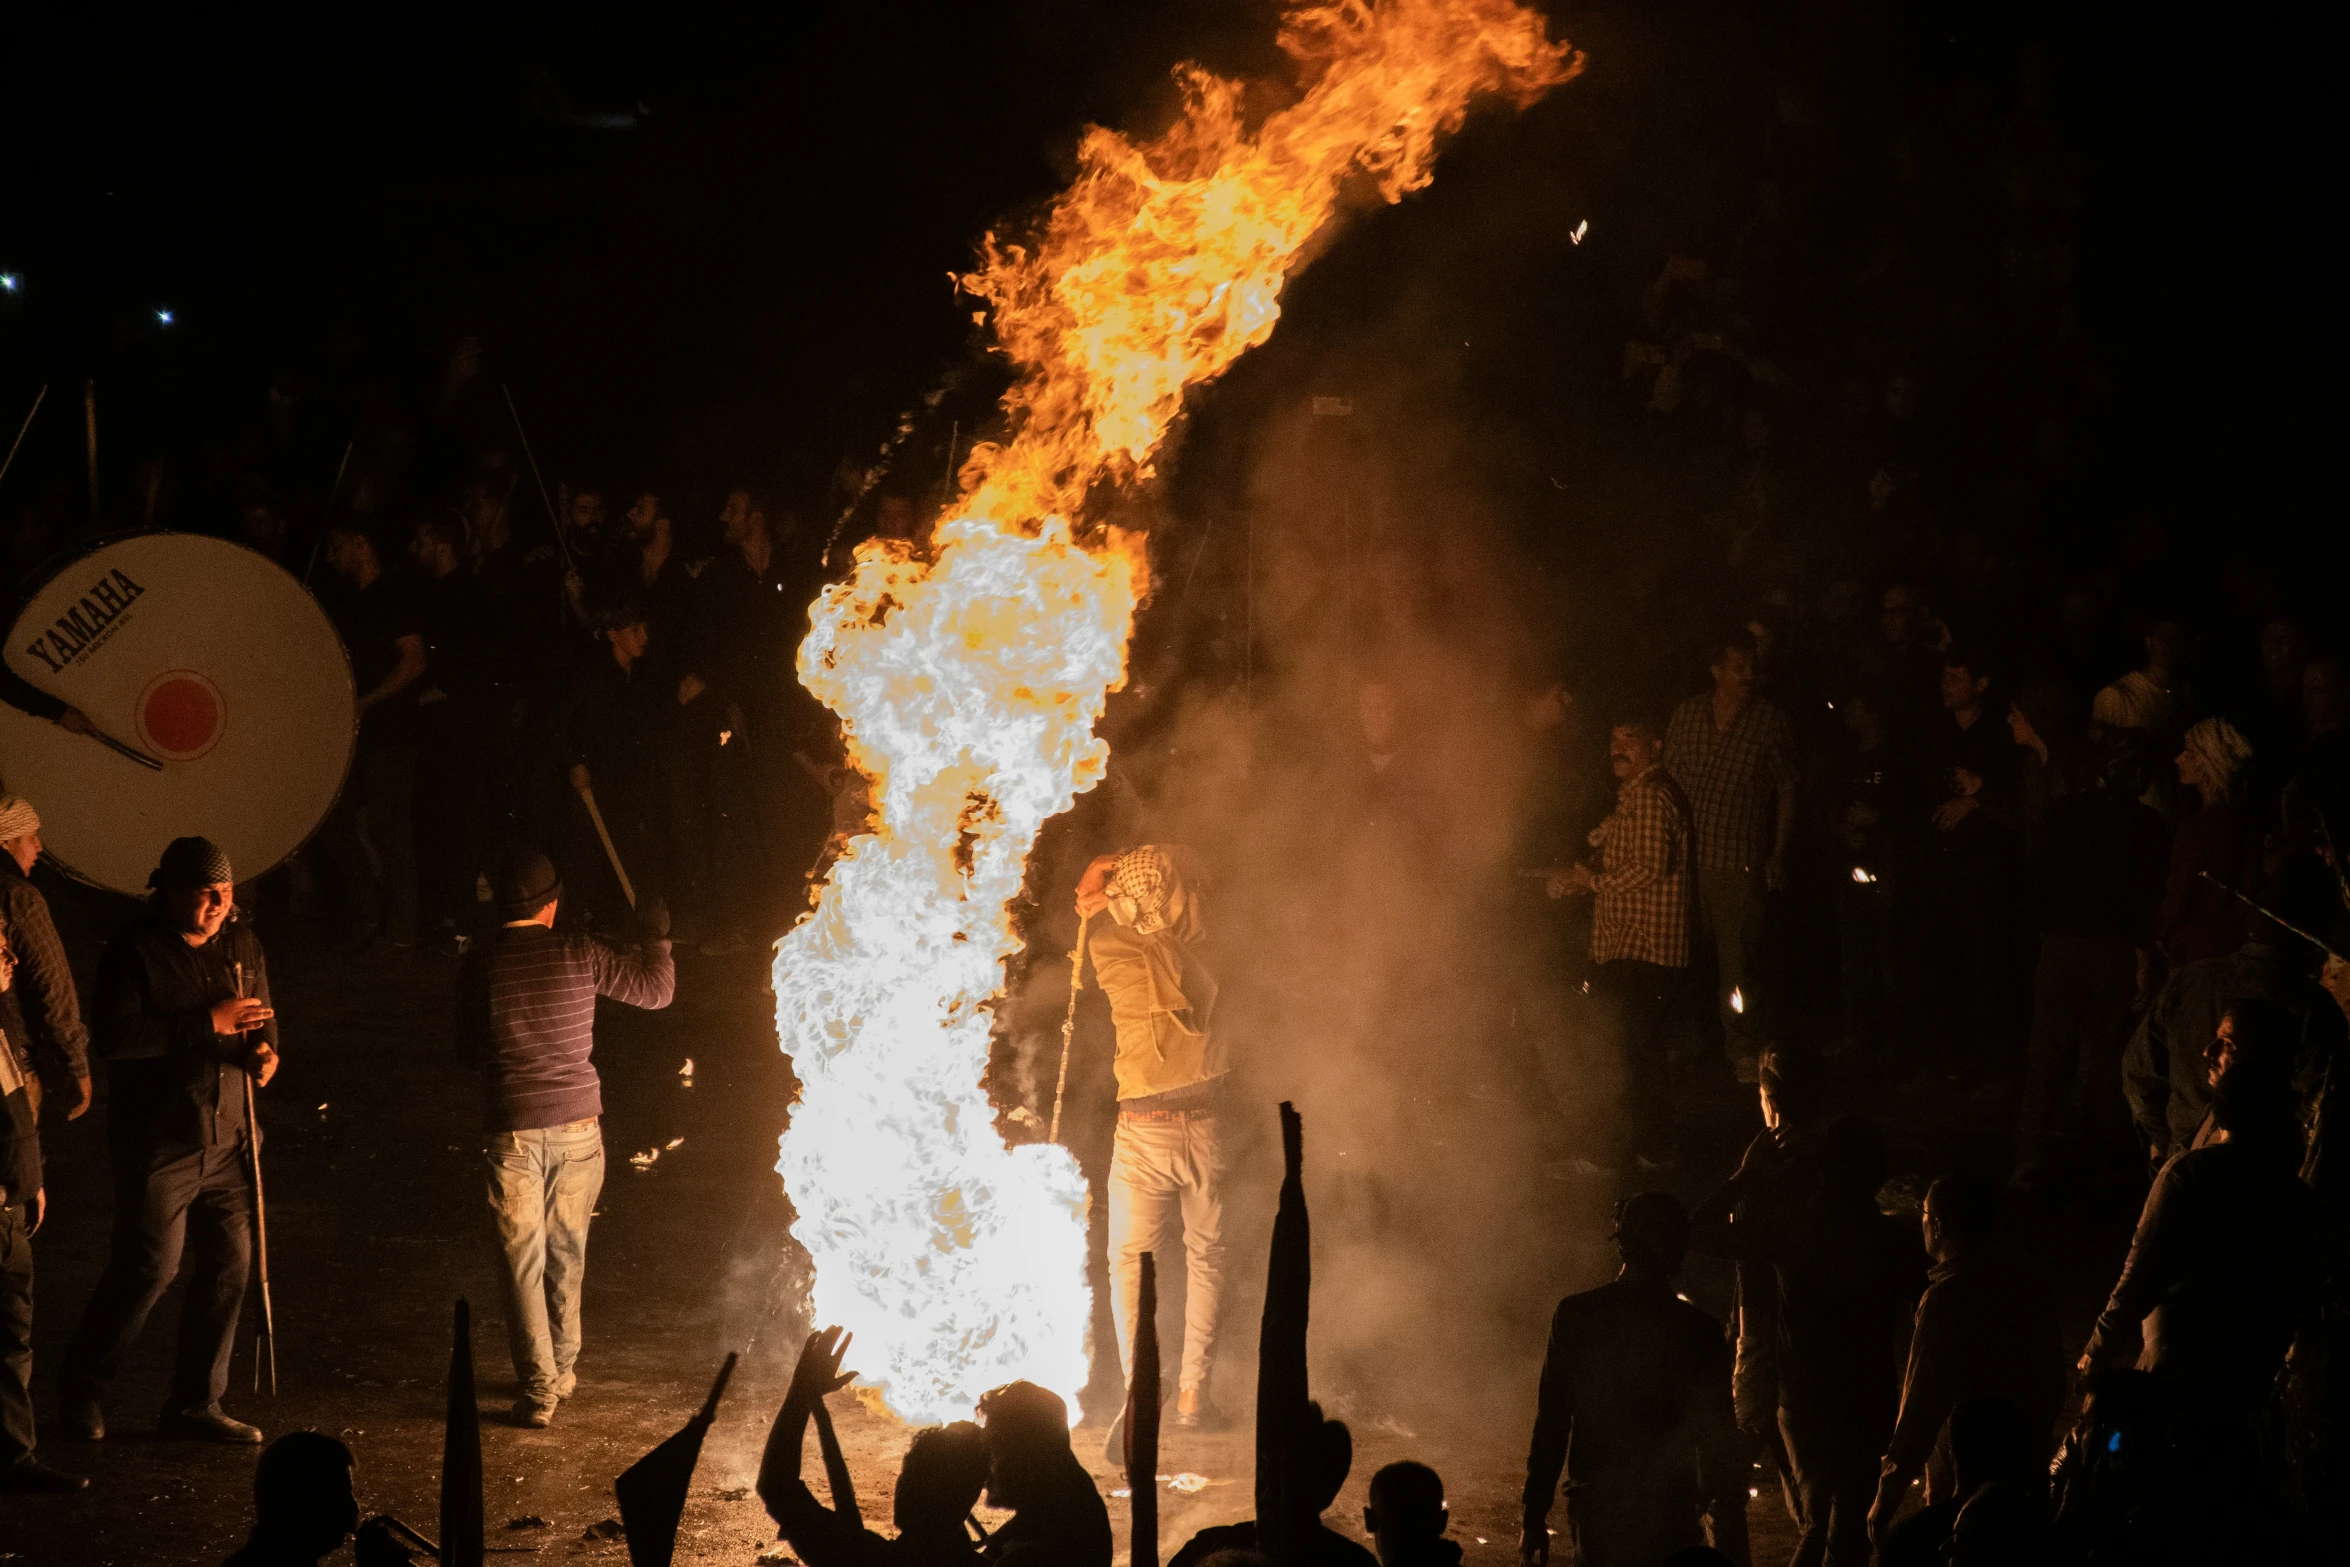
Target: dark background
702,244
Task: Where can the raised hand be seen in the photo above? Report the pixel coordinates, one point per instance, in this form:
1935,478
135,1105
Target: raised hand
819,1371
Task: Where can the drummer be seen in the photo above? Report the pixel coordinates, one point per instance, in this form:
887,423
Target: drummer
182,1016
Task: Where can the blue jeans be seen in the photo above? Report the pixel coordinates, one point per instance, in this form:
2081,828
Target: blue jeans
543,1184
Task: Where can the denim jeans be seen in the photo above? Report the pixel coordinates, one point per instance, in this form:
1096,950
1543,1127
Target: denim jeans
1161,1168
543,1184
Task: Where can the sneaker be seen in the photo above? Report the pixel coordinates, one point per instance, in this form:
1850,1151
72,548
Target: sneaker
1195,1411
81,1418
207,1425
28,1476
532,1415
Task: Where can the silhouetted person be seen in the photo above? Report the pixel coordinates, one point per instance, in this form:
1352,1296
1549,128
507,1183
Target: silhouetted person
182,1017
1733,754
303,1508
1329,1452
1846,1275
1058,1518
2166,1068
53,1035
24,1203
1406,1517
1635,1409
2221,840
382,622
526,1014
2095,878
1986,1327
615,725
1999,1499
944,1471
2216,1276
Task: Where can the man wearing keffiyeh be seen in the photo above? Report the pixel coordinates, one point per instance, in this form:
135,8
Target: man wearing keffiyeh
1145,929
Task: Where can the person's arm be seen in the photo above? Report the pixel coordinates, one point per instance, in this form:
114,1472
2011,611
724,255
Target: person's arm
821,1535
645,976
44,980
1546,1456
2147,1273
1714,1229
405,673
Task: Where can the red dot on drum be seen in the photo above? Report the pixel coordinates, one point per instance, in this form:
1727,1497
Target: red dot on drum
181,715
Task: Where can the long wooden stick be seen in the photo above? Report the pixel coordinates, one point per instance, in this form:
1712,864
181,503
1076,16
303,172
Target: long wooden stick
265,1338
587,794
38,400
333,494
1069,1024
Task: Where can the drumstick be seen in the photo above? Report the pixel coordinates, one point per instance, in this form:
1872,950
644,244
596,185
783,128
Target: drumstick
135,754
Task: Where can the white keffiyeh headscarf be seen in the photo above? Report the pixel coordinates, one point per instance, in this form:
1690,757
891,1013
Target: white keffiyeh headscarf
1150,891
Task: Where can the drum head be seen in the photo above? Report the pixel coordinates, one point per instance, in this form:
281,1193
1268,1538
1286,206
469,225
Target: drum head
211,659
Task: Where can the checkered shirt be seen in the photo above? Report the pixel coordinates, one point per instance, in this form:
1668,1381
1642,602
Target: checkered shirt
1737,780
1641,895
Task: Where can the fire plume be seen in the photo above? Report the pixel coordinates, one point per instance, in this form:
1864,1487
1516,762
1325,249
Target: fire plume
969,680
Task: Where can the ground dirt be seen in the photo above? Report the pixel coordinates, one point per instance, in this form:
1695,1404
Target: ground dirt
376,1226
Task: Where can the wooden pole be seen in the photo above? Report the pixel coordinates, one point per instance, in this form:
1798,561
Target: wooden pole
38,400
90,432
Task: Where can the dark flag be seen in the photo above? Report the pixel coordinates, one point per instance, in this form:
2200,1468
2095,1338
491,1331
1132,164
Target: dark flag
461,1536
1284,1521
652,1492
1142,1419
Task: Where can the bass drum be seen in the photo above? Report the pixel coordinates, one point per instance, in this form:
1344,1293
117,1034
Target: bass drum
209,658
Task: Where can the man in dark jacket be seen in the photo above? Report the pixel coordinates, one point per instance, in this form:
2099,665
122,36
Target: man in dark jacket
2096,884
526,1014
1986,1327
182,1016
24,1202
53,1035
1636,1387
616,723
1845,1277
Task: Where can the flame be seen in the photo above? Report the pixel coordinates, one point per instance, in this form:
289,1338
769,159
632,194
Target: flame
968,682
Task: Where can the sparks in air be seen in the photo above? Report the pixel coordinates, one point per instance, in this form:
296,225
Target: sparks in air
968,678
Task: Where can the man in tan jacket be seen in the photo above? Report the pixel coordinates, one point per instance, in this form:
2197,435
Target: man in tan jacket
1145,929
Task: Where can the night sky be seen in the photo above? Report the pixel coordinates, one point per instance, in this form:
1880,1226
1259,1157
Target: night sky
697,240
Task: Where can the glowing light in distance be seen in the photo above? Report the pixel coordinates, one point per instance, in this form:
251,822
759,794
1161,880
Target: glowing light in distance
1864,876
1737,1000
163,316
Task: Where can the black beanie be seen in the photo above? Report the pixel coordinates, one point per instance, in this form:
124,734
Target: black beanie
191,862
523,884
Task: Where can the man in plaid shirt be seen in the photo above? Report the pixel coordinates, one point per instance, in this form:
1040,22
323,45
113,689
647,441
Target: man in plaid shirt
1733,755
1639,925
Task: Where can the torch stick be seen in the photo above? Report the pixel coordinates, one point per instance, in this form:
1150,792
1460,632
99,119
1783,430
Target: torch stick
265,1338
546,500
2271,916
333,494
587,795
1142,1419
1069,1025
38,400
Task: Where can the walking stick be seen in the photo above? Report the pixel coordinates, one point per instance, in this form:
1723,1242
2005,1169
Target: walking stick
41,397
265,1338
1069,1024
587,795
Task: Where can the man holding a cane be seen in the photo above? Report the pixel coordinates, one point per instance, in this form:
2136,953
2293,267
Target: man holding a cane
182,1018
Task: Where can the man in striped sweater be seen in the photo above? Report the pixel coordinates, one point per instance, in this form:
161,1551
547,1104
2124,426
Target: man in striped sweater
526,1013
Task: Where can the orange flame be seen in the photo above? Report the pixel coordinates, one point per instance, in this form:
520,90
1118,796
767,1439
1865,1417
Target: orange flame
968,683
